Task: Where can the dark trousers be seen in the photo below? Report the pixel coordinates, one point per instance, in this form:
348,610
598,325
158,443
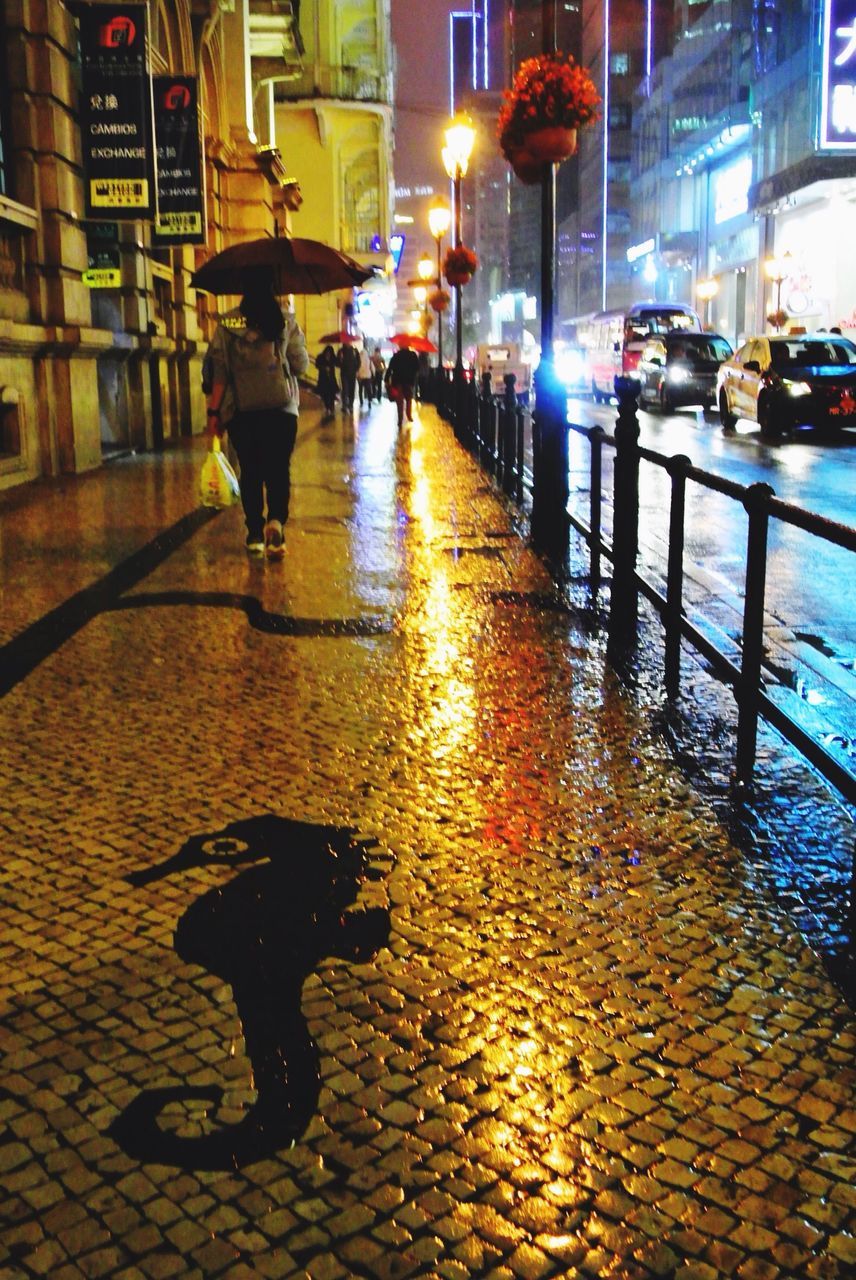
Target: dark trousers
264,441
349,389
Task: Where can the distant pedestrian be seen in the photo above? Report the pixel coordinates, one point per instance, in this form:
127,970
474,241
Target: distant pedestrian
364,377
256,354
378,370
401,376
349,364
328,384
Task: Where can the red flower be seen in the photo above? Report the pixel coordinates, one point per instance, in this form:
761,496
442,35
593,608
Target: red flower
460,261
549,90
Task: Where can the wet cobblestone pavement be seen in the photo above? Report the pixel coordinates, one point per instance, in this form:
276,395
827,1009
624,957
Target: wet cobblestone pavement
356,925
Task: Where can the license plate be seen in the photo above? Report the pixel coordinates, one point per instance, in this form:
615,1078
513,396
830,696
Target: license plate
846,405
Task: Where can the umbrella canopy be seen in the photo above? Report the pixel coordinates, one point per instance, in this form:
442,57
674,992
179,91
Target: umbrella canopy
290,265
413,340
340,336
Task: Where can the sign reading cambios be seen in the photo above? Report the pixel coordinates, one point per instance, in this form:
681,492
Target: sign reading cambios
116,102
838,98
180,217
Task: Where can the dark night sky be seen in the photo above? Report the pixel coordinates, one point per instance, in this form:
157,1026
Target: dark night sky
420,32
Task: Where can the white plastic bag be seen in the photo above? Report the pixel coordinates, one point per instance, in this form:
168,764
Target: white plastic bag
218,484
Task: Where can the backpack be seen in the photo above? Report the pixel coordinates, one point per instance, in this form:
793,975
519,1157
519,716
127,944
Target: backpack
256,372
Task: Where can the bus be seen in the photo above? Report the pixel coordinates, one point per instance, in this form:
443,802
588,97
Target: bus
614,340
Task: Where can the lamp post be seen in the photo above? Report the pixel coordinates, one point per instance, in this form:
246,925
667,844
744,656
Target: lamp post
460,136
706,291
439,221
550,461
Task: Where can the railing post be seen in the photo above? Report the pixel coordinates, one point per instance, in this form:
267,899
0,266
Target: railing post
678,467
623,597
596,436
755,502
519,444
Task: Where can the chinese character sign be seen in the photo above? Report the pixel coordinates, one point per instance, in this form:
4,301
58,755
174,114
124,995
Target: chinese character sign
838,101
181,205
116,112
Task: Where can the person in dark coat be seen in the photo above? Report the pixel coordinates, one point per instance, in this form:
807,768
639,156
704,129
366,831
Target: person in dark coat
349,364
328,383
401,375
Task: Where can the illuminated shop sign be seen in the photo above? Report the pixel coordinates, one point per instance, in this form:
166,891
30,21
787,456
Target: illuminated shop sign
396,248
116,112
180,217
838,98
731,190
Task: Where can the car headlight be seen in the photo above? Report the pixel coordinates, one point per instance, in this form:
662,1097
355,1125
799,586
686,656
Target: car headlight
677,373
797,388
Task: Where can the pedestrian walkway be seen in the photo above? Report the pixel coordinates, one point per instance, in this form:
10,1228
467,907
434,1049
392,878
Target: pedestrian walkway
355,924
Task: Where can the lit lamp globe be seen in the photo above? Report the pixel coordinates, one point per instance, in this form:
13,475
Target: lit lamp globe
439,218
425,267
460,137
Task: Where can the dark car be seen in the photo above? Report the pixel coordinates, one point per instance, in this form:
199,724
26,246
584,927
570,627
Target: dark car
790,380
680,368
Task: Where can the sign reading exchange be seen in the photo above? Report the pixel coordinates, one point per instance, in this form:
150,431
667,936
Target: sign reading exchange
116,112
180,217
838,98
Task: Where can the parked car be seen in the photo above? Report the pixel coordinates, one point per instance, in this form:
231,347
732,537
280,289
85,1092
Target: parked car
680,368
790,380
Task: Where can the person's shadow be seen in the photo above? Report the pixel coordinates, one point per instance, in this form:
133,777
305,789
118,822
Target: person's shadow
263,932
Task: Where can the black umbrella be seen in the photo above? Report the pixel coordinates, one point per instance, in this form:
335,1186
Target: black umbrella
290,265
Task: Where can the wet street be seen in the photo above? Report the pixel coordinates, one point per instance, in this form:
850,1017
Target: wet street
356,923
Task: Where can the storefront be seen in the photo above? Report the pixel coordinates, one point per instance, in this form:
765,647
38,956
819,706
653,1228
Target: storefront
818,289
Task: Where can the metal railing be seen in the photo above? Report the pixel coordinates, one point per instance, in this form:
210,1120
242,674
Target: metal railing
498,431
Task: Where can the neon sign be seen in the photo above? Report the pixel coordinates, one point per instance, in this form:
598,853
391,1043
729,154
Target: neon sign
838,92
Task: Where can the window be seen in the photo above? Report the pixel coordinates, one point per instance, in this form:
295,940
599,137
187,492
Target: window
620,115
619,64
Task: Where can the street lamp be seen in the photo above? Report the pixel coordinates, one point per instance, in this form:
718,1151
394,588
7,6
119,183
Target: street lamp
439,221
460,136
706,291
777,270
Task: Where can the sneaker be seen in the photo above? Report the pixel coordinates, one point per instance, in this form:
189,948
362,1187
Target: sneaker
255,544
274,541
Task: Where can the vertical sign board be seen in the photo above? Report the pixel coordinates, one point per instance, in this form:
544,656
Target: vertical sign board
102,248
838,95
180,195
116,112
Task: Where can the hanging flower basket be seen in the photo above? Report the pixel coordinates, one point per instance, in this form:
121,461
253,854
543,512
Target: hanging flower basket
552,144
459,265
550,99
526,167
439,300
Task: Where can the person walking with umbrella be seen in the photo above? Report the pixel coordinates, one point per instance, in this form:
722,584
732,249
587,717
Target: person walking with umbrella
401,375
328,385
256,354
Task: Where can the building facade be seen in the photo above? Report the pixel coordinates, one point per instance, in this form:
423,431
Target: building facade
333,115
745,165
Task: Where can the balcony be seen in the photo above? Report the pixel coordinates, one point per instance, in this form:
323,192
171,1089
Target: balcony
346,84
276,47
